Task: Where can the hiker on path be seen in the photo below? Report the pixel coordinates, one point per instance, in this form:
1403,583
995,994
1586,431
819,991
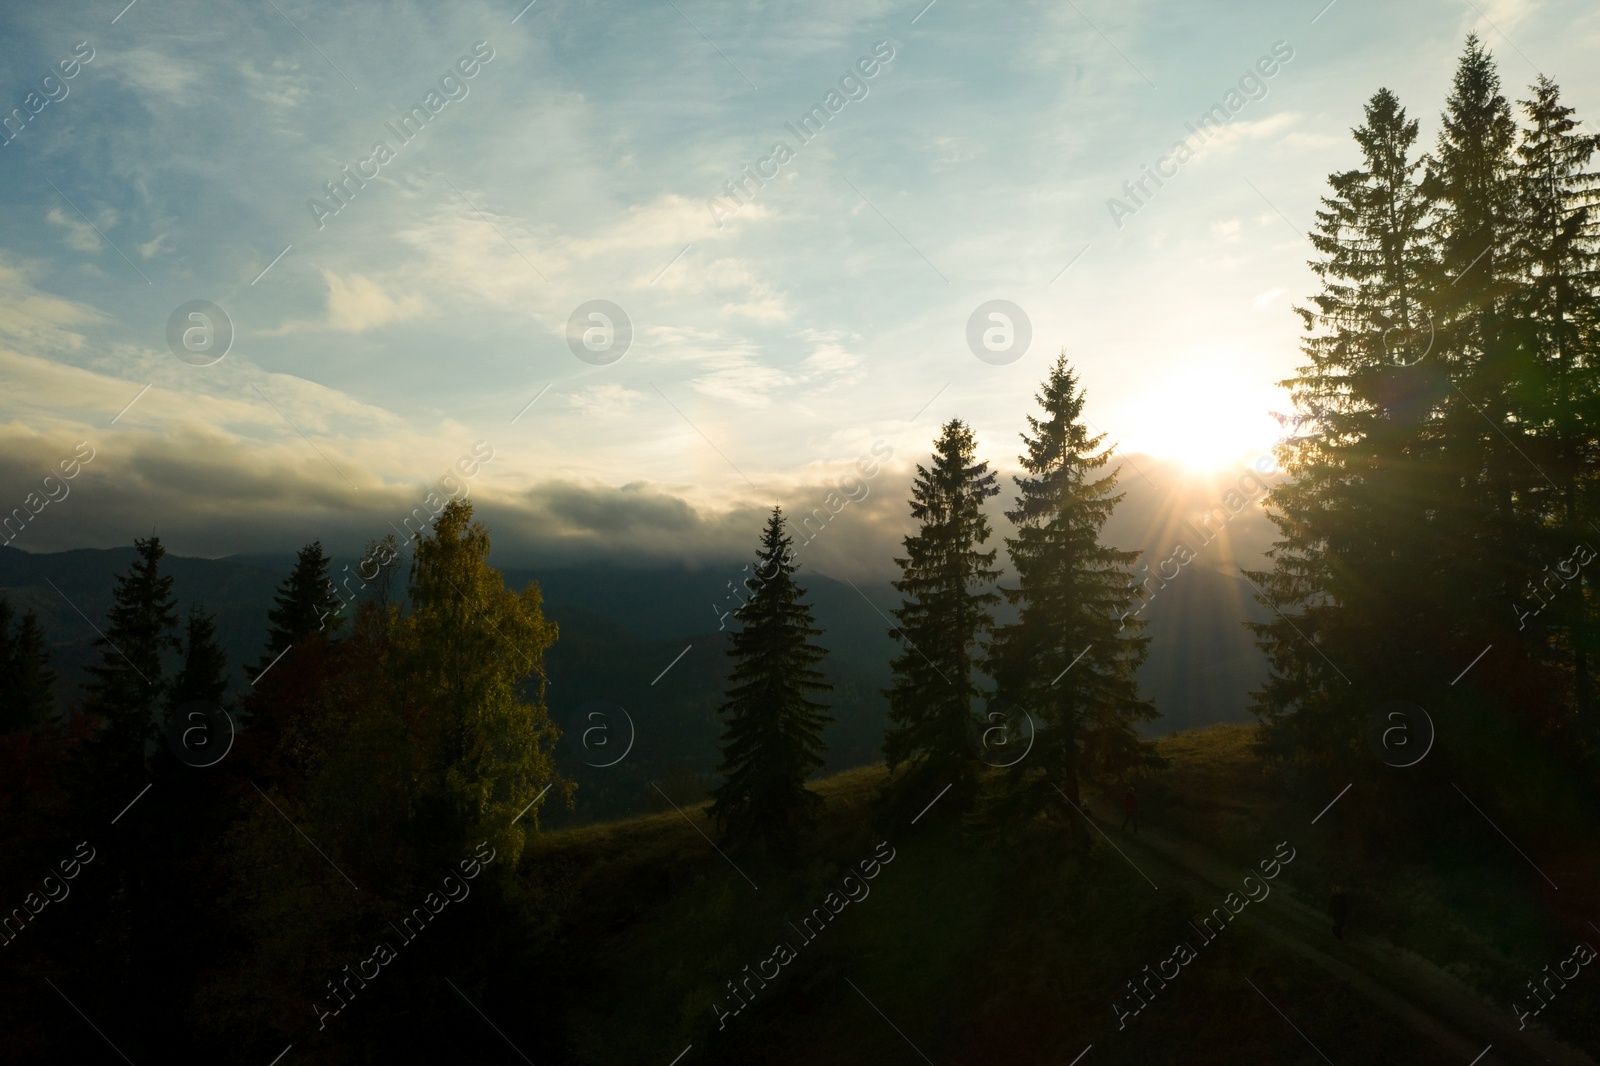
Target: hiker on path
1336,910
1130,809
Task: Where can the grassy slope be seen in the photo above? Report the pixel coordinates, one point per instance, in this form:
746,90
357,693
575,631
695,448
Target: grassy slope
985,947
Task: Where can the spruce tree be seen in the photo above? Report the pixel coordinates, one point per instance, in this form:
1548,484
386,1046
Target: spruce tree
203,675
170,879
285,685
1070,658
129,682
125,699
306,603
772,741
946,584
1373,234
27,694
1500,498
8,662
1471,175
1558,313
1357,571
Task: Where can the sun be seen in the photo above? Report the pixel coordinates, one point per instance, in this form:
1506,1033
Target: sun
1213,415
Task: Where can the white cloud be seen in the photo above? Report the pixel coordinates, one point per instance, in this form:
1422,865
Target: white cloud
767,309
281,86
1265,299
80,235
356,303
488,258
951,152
152,248
603,401
1500,17
153,71
1238,132
746,294
668,221
39,321
830,362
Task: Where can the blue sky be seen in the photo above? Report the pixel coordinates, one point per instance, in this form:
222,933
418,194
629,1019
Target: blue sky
769,352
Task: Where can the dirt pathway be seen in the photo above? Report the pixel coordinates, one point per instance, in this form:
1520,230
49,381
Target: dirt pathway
1412,989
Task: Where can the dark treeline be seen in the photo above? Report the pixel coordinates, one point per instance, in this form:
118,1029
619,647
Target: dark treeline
221,894
232,892
1443,496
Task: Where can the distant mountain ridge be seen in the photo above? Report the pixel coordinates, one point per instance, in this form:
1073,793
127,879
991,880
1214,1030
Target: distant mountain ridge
622,627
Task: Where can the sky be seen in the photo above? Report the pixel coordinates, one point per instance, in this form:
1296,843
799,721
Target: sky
822,324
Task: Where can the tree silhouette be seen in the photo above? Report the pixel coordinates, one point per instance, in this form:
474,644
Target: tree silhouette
1473,456
1367,457
290,679
1498,498
27,696
946,584
1559,315
1069,659
304,604
772,740
129,681
203,674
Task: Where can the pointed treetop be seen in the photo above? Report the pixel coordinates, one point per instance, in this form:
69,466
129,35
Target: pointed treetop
305,603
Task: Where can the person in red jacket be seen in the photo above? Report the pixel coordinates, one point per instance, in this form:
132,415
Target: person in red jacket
1130,809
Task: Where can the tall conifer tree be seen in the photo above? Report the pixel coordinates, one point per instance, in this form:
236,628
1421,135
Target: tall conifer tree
203,673
169,878
27,697
1355,578
946,581
285,685
304,604
129,681
1499,496
1559,316
125,699
772,740
1070,658
8,666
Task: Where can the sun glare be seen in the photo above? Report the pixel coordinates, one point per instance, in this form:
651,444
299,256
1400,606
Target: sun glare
1207,418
